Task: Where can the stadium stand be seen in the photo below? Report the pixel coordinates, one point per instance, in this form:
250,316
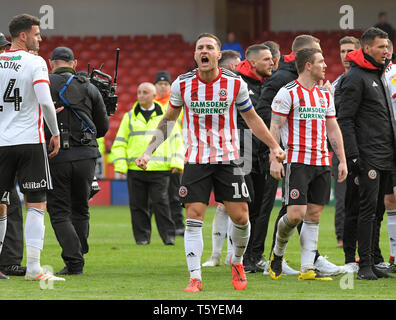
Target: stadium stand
141,56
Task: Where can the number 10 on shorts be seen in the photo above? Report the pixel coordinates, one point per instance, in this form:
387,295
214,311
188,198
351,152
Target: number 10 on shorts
237,192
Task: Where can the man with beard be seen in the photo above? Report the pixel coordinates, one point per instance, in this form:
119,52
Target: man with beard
367,122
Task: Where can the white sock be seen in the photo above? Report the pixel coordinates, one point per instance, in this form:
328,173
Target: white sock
219,231
34,237
392,231
283,235
309,244
3,230
230,249
33,259
193,246
240,235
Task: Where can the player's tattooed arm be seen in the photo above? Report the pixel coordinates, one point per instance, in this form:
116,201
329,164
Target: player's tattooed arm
335,147
277,123
163,130
335,137
276,168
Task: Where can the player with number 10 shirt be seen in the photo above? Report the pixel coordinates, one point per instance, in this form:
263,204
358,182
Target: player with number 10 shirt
211,98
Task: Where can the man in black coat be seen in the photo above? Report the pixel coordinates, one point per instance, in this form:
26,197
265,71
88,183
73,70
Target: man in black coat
254,70
368,125
82,120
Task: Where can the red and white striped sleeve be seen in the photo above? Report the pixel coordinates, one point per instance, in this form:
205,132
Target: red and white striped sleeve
282,103
176,99
331,111
242,101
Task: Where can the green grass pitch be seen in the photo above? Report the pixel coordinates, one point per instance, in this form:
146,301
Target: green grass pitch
118,269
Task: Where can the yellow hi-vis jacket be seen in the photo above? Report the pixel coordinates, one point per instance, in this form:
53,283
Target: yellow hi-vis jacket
133,137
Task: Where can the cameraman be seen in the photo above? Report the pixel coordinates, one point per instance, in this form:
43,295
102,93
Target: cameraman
82,119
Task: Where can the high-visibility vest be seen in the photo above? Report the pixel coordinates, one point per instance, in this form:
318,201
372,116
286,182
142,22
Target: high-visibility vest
133,137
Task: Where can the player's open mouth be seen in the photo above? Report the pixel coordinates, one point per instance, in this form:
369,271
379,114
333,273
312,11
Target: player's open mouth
205,60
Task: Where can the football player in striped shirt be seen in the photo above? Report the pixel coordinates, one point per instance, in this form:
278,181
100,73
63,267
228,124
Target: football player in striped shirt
211,98
303,117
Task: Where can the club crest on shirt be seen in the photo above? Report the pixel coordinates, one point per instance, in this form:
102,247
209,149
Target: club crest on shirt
223,93
294,194
183,191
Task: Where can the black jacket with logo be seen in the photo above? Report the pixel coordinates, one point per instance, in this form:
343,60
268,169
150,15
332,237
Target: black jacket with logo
365,113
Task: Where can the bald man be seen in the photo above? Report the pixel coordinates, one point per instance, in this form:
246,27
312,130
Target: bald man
132,138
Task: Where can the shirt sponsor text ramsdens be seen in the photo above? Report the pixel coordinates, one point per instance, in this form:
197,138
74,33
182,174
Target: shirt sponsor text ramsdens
209,107
312,113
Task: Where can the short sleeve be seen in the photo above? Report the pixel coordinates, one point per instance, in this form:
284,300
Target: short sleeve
242,101
331,111
40,70
176,99
282,103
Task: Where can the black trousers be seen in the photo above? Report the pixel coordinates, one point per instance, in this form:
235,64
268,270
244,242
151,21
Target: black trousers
262,220
373,184
255,183
175,205
339,193
153,185
351,217
12,252
67,205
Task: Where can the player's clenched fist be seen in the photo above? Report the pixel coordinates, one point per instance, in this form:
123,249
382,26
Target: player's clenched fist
279,154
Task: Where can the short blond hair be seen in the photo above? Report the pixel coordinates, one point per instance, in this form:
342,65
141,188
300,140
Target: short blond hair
303,41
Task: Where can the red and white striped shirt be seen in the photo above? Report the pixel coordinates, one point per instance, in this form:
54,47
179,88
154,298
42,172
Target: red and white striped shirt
304,134
210,115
